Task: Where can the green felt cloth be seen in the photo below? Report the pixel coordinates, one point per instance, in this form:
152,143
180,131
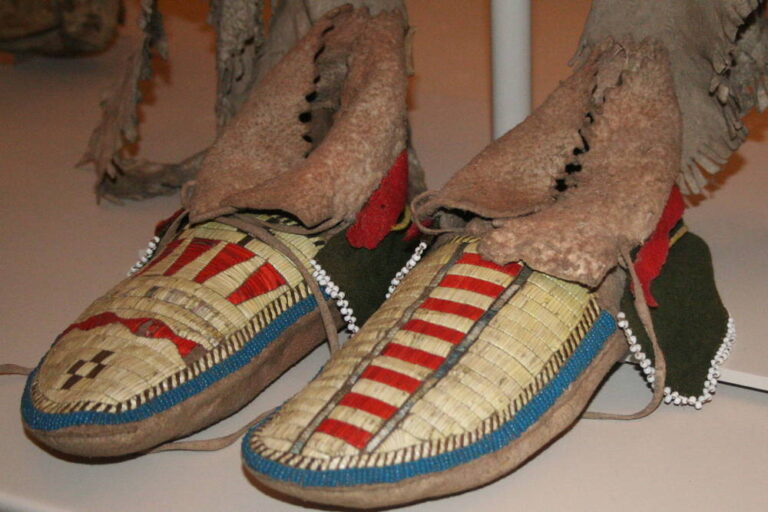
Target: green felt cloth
690,321
364,275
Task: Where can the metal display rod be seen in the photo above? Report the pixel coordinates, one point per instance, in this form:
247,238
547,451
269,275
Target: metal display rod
511,63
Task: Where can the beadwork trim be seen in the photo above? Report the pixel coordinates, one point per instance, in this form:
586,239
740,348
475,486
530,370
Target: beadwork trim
409,265
187,383
149,253
674,397
594,323
330,288
434,456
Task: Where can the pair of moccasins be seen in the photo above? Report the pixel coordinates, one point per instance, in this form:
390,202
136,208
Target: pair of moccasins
489,344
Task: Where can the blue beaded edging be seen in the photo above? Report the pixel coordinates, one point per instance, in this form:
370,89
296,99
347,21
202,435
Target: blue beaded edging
39,420
588,349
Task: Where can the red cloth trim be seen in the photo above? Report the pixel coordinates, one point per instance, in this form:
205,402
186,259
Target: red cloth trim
347,432
162,226
475,259
264,280
437,331
653,254
368,404
391,378
454,308
472,284
380,213
145,327
414,231
413,355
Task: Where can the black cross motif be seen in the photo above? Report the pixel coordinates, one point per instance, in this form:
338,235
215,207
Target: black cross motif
83,369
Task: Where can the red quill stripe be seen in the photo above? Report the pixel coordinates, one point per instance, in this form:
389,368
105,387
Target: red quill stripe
348,433
413,355
368,404
434,330
472,284
166,252
454,308
264,280
145,327
195,248
475,259
228,257
391,378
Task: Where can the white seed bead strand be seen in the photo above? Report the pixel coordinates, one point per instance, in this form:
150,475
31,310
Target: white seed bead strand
327,284
637,351
149,252
409,265
713,374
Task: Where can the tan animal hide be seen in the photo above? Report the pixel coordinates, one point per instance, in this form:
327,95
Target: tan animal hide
58,28
656,97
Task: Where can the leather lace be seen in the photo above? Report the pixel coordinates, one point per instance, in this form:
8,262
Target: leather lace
263,234
641,306
14,369
268,238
